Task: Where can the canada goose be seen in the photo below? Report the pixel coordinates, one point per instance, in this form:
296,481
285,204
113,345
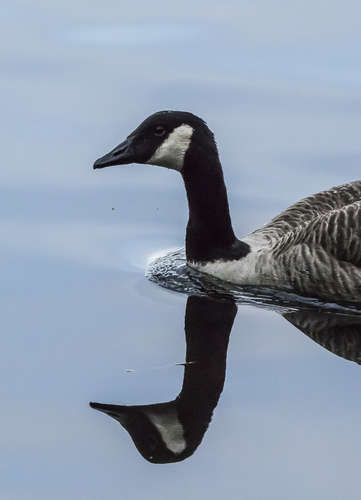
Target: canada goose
313,247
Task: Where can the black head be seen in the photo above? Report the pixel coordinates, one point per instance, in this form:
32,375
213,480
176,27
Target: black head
162,139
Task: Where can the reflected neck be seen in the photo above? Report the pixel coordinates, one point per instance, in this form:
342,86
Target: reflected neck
208,325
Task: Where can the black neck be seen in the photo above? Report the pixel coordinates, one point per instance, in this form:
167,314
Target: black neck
209,234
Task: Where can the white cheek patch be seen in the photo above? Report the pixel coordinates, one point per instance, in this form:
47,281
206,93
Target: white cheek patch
171,152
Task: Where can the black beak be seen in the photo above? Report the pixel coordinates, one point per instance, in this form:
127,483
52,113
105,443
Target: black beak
121,155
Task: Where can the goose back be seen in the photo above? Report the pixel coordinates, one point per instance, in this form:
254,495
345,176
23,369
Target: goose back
316,244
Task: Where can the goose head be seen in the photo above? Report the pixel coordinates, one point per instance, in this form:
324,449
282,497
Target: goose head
182,141
162,139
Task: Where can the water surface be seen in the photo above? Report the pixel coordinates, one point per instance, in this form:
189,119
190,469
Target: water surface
279,86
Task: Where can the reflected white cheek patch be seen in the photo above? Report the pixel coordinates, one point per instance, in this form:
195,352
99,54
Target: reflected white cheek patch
170,429
171,152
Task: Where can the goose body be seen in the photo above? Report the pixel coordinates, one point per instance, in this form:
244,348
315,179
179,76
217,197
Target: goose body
312,248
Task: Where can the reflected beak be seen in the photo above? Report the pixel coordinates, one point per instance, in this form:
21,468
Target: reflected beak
121,155
116,411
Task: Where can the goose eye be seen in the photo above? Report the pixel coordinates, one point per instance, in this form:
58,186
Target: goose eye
159,131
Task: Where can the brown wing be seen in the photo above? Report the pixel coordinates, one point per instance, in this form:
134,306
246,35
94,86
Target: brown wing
322,257
312,207
336,233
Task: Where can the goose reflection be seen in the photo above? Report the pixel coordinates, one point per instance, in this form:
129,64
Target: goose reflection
171,431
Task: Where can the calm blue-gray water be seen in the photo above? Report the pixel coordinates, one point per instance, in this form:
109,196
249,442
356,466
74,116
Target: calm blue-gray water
279,84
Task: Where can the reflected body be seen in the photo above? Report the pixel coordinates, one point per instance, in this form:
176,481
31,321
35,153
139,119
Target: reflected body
339,334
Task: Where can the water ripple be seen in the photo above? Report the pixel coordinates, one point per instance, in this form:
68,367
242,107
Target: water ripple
172,272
